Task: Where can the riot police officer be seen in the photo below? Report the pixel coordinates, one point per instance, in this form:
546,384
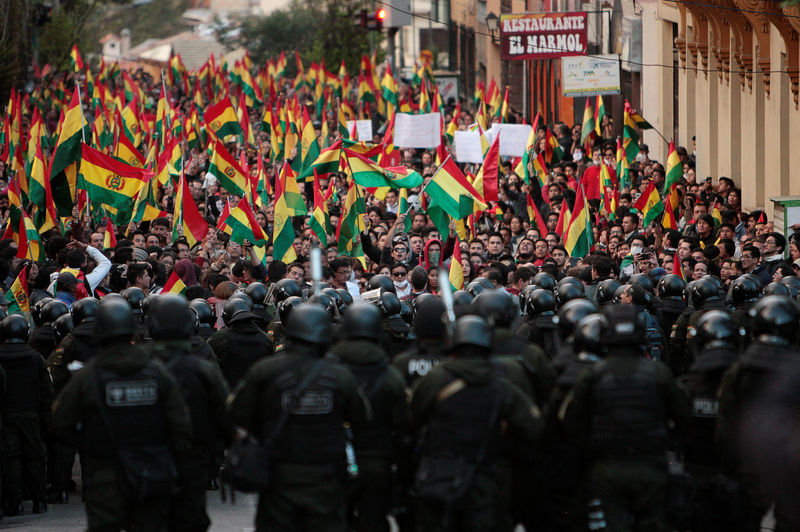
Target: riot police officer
620,410
462,404
745,291
307,490
282,290
26,412
774,321
717,339
43,339
359,349
705,296
540,326
670,293
428,349
120,405
205,317
203,389
240,343
399,336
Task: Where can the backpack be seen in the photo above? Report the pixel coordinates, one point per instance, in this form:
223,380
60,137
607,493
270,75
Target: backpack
655,339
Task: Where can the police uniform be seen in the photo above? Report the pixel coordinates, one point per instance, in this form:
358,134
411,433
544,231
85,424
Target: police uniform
238,346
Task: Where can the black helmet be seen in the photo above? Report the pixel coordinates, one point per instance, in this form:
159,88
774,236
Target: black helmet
346,297
170,318
523,296
544,280
235,307
84,310
605,291
388,304
134,295
334,295
717,282
618,293
62,327
428,322
776,289
203,311
567,292
703,290
53,310
244,297
744,289
540,302
325,302
310,323
571,313
497,306
14,329
420,299
286,306
114,320
472,330
36,311
792,282
716,325
589,332
146,303
626,326
406,312
362,320
569,279
462,297
257,293
286,288
381,281
671,286
775,316
642,281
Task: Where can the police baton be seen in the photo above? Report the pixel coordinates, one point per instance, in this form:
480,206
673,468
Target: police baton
316,267
447,298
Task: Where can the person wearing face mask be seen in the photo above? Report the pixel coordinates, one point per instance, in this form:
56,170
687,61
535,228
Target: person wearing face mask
400,280
432,253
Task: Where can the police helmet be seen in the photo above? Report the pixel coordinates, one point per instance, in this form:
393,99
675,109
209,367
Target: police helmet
775,316
84,310
571,313
776,289
605,291
472,330
325,302
626,326
62,327
388,304
381,281
588,333
497,306
244,297
134,295
567,292
204,311
334,295
257,292
791,282
642,281
53,310
406,312
671,287
362,320
544,280
145,304
462,297
703,290
523,296
310,323
428,320
170,318
114,320
286,288
235,309
744,289
14,329
541,302
36,311
717,282
481,284
346,297
716,326
286,306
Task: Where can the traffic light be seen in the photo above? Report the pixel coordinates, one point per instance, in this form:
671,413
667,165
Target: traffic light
373,21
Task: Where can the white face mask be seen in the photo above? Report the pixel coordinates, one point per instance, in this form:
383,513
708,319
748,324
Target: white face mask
401,285
577,155
641,157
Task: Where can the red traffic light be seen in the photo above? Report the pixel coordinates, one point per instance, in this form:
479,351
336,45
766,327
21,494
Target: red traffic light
381,14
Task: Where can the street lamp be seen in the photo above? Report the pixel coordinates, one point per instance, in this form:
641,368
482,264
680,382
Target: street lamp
493,23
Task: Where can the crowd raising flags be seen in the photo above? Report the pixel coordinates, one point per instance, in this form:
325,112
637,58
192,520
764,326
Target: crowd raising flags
122,143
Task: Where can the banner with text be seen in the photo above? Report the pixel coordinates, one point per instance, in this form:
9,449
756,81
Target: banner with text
543,35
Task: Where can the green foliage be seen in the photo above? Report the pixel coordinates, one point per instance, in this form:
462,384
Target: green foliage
74,23
156,20
316,28
15,50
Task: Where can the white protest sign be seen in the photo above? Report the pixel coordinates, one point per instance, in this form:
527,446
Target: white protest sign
468,147
513,140
363,129
417,131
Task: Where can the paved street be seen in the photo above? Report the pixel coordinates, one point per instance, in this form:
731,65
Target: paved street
72,517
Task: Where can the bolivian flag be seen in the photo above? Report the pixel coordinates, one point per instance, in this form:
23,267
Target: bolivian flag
110,183
187,216
450,190
17,295
368,174
241,224
109,237
578,239
227,170
320,221
63,173
282,232
326,163
221,119
456,274
174,285
649,204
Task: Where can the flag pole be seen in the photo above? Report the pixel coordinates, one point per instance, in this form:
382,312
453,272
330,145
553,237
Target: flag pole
80,107
425,185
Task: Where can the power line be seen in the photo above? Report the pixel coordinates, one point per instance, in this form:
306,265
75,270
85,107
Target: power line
628,61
